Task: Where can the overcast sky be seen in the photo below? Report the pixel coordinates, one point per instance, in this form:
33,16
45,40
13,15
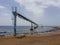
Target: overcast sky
43,12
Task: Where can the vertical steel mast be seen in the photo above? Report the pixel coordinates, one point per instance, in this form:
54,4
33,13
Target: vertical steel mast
32,28
15,16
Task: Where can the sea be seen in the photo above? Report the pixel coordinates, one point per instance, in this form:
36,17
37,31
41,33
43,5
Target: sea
9,30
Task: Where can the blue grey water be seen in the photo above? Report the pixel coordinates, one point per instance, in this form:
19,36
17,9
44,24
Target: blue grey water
22,29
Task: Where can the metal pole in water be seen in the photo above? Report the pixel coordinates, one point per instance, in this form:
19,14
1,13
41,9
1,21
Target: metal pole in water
31,28
15,16
15,25
15,21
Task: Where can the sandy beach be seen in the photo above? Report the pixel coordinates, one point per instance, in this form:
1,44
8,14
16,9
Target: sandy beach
32,40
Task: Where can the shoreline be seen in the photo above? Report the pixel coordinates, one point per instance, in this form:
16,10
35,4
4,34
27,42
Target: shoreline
37,33
52,38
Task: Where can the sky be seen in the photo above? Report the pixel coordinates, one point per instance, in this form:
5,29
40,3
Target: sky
43,12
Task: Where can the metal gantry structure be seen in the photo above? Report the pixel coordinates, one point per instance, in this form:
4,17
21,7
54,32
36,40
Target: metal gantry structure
15,14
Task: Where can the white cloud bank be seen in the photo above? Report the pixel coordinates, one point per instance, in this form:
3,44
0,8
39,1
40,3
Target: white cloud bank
37,6
1,7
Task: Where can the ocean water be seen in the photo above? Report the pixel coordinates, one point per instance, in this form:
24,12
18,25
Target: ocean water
22,29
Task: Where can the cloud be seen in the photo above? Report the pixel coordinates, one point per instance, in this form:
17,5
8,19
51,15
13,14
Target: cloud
37,7
50,2
31,6
1,7
5,19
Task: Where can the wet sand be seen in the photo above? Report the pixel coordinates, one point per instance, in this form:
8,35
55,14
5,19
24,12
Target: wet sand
31,40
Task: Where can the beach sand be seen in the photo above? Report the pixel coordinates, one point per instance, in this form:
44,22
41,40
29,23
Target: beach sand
31,40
